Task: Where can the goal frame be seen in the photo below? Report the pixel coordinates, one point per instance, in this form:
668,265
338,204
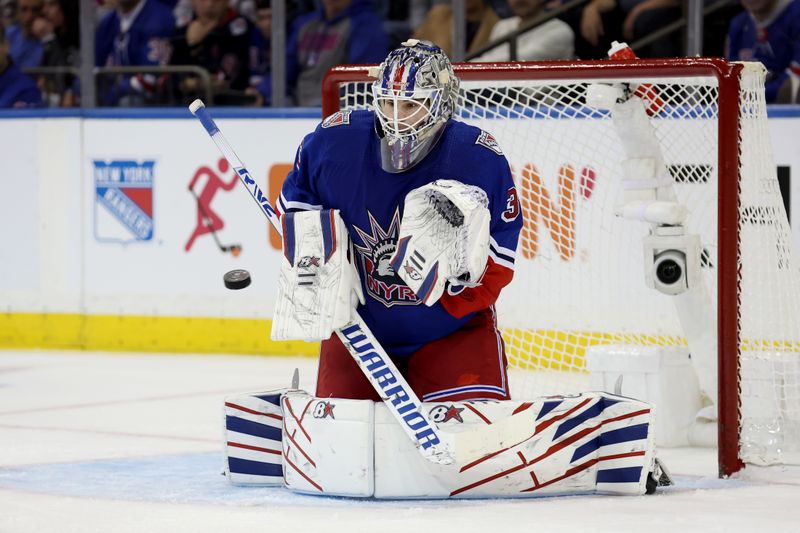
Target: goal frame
728,194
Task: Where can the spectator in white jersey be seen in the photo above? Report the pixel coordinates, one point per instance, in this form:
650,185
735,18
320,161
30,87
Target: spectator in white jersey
552,40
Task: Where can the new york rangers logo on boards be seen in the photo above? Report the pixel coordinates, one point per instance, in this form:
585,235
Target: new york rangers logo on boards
123,205
378,247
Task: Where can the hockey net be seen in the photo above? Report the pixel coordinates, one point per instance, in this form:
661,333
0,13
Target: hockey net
579,279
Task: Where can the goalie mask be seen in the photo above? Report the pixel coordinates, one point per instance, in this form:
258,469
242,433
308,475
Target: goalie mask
414,95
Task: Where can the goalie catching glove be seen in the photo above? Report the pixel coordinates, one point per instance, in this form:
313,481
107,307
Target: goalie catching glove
319,287
444,236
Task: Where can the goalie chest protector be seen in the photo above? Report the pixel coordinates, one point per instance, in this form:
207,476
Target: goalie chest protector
338,167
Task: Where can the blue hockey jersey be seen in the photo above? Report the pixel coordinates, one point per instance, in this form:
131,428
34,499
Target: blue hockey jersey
18,89
140,38
775,43
338,167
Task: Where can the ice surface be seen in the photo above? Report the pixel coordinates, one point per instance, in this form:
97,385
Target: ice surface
132,442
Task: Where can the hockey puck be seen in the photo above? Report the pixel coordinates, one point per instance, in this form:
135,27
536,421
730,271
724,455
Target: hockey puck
236,279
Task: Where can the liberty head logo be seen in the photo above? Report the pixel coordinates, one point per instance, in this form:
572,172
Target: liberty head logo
376,251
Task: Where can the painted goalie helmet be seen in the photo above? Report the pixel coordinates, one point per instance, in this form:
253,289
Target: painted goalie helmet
414,95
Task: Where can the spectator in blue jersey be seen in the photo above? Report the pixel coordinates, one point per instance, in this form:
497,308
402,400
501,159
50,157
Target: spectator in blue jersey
223,42
26,47
16,89
340,32
769,31
263,58
137,32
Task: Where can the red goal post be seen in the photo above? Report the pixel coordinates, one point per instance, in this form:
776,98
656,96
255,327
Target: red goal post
551,91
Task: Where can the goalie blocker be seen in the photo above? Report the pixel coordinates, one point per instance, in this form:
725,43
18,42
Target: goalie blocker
588,443
318,289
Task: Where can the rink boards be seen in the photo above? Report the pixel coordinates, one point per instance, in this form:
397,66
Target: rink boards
98,224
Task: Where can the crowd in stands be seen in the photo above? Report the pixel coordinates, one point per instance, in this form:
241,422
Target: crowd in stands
230,39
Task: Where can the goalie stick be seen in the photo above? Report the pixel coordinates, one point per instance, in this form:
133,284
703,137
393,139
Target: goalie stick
434,444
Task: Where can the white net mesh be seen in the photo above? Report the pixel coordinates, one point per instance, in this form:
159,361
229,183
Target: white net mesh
769,313
579,277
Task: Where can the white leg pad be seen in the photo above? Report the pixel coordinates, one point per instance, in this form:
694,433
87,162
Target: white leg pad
327,445
591,443
253,424
588,443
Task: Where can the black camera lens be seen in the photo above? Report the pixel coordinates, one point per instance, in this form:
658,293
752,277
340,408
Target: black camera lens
668,271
